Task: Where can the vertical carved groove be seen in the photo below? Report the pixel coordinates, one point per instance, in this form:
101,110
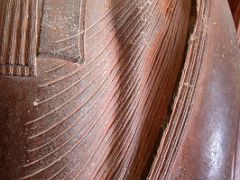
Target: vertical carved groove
25,24
18,42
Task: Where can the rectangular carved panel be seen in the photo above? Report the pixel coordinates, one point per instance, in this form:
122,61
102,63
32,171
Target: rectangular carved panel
18,37
62,29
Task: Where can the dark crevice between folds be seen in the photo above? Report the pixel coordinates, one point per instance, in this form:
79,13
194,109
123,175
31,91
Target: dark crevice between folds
191,27
235,9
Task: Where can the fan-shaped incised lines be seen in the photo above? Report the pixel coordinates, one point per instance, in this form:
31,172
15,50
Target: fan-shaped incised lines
123,103
60,94
95,58
136,36
54,125
111,109
75,124
109,97
132,67
72,147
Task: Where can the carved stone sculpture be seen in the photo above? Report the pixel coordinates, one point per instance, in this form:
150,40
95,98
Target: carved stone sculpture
120,89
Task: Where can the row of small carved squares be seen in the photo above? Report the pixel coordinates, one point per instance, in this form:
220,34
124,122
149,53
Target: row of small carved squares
13,70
